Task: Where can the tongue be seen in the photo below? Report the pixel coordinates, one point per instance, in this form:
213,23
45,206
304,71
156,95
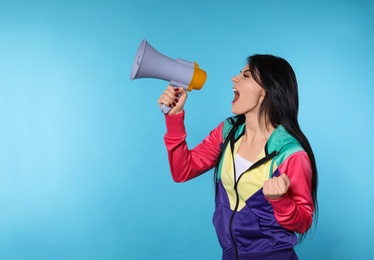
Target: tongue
236,96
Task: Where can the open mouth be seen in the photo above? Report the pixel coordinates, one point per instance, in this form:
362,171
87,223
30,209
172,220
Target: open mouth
236,95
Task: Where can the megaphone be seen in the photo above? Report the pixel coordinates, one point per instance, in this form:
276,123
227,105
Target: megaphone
149,63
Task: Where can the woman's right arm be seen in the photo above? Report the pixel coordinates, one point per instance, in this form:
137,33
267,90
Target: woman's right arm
186,164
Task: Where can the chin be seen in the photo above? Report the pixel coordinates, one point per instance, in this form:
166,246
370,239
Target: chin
235,112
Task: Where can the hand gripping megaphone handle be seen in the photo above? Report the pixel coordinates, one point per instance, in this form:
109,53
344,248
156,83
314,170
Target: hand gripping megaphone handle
165,109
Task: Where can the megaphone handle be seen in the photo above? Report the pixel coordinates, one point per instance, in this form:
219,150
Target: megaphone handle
165,109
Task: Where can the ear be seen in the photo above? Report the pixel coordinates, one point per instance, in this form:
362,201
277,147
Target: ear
263,93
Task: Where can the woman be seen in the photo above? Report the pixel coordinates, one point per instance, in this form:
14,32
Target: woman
265,171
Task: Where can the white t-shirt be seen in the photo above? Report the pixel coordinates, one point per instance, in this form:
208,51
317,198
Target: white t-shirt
241,165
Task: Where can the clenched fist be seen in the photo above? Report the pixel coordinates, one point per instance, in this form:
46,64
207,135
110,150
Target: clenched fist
276,187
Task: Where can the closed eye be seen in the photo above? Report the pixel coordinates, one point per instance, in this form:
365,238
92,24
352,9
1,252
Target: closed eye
247,74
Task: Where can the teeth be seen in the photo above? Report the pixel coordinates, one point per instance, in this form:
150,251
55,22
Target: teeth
235,91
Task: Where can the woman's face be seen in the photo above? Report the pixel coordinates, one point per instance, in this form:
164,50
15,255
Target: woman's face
248,94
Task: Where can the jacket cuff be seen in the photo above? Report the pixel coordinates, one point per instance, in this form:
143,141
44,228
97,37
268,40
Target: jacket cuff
175,124
283,205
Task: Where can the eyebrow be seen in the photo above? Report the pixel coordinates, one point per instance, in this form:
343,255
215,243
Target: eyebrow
245,71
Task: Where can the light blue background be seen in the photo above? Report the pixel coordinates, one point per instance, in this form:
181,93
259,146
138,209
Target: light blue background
83,168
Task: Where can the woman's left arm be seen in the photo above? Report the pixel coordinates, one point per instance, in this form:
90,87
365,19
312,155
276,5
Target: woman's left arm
294,210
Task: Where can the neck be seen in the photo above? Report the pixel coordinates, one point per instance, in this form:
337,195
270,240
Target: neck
257,131
254,139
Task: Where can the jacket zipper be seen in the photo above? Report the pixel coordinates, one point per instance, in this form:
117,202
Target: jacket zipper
255,165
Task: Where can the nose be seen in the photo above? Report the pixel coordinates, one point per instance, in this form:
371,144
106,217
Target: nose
234,79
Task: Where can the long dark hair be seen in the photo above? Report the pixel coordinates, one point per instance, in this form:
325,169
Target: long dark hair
279,107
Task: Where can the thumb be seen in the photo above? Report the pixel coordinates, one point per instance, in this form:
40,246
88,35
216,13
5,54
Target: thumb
285,179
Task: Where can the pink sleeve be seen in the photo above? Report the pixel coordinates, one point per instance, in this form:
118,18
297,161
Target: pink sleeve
186,164
295,209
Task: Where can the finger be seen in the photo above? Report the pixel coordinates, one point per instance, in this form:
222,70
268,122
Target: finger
269,190
173,97
275,186
286,180
182,94
165,99
270,187
172,92
278,186
169,97
265,187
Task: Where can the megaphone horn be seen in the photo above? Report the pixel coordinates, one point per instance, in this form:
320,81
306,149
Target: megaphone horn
149,63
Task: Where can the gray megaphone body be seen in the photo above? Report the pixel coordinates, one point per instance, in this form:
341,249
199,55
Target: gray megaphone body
149,63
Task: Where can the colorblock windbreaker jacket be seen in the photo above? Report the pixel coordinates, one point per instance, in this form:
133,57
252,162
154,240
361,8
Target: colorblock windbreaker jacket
248,225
